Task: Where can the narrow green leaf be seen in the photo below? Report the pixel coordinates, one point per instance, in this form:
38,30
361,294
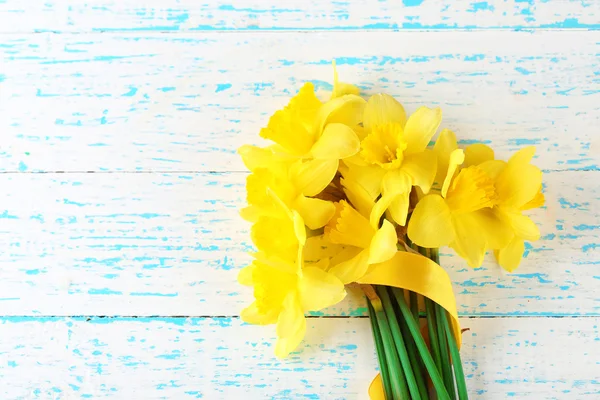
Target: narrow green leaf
446,363
433,335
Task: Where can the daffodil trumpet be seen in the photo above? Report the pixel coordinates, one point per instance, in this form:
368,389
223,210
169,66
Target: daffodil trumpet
349,191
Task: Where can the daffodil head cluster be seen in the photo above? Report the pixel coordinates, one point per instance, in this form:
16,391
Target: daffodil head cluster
345,181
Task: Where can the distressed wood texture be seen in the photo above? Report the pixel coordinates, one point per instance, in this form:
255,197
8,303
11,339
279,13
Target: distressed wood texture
251,15
176,102
171,244
176,358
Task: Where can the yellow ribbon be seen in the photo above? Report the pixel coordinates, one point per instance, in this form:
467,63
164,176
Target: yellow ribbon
418,274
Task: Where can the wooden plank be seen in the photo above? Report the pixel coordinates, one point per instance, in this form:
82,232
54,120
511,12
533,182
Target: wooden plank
220,358
251,15
171,244
186,102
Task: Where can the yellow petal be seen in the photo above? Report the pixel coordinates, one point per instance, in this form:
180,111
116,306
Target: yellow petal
337,141
396,181
369,177
311,177
383,246
421,167
379,209
319,247
291,326
251,315
382,109
315,212
358,197
518,184
420,128
255,157
444,146
469,242
341,88
523,156
319,289
299,228
431,224
522,225
275,236
376,391
492,168
478,153
538,201
496,231
346,109
293,127
245,275
352,269
398,208
457,157
510,256
350,227
471,190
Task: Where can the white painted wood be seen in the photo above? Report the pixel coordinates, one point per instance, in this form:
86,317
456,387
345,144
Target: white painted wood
157,358
96,102
189,15
171,244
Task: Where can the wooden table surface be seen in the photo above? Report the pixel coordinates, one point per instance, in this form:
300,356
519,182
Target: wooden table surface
119,235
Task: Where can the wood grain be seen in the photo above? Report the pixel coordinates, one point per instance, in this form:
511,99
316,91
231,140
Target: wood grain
220,358
252,15
152,102
171,244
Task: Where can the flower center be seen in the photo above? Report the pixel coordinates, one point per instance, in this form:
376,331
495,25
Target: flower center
471,190
384,145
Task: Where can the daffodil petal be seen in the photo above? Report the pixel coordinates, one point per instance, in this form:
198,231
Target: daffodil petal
493,168
346,109
523,156
383,246
319,248
245,275
252,315
396,181
311,177
358,196
379,209
315,212
538,201
420,128
341,88
291,326
523,226
518,184
510,256
398,208
255,157
369,177
497,232
352,269
319,289
478,153
469,242
421,167
431,223
457,157
444,145
337,141
382,108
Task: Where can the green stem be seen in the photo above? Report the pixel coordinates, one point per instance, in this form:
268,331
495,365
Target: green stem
433,335
385,375
438,383
398,339
414,305
415,361
458,369
446,363
397,380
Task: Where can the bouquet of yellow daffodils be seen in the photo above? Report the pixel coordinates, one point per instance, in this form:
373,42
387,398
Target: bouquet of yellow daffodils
351,192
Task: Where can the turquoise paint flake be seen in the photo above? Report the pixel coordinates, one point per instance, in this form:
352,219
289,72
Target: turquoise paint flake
104,291
221,87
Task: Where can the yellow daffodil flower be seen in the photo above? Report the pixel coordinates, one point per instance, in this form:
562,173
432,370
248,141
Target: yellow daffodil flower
369,244
284,287
393,155
461,216
519,188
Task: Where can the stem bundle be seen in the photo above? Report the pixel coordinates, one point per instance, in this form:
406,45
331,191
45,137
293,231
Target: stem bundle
406,362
